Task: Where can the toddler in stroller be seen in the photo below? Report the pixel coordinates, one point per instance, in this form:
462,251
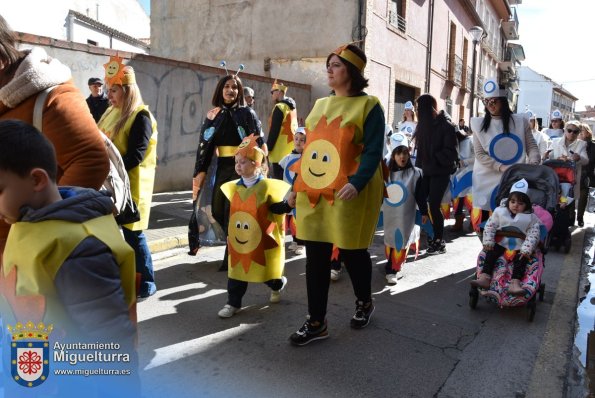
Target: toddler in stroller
509,269
564,219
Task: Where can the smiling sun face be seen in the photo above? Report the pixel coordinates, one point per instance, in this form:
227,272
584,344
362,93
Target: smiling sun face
244,232
323,165
114,70
329,157
250,232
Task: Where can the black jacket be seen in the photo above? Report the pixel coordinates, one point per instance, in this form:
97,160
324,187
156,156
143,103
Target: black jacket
442,151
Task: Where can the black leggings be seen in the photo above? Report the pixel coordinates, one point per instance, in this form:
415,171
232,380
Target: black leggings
519,263
433,188
318,275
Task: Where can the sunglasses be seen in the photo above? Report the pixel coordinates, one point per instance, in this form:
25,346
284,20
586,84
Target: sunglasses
490,101
573,131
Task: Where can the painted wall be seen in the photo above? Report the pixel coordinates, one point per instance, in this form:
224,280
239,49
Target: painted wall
179,96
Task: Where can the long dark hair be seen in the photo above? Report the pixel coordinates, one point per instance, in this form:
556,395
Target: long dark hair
426,113
218,94
521,197
392,163
9,54
505,114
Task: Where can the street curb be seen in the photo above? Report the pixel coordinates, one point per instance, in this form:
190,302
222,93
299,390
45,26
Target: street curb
171,242
552,363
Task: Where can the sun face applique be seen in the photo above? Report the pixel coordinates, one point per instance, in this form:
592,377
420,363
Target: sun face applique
329,157
114,70
250,232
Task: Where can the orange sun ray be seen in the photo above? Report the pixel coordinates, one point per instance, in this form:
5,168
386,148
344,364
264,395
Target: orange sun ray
321,171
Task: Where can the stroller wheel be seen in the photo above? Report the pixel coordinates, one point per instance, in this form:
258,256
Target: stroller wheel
473,297
541,291
531,308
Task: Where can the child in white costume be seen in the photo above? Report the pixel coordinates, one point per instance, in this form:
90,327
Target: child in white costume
299,141
515,214
256,230
398,208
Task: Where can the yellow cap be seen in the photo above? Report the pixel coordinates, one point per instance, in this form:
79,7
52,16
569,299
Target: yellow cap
279,86
345,53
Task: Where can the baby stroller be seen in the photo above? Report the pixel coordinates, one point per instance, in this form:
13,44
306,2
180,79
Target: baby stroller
543,189
565,214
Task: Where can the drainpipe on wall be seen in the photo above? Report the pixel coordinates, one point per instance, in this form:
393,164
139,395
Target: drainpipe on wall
429,45
70,27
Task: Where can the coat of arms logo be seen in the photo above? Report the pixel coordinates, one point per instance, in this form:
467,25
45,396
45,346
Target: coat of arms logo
29,353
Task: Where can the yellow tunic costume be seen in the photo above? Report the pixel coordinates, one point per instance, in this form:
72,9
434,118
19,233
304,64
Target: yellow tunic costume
34,253
331,155
142,177
255,235
284,144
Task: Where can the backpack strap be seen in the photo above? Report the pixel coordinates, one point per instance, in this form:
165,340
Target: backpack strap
38,109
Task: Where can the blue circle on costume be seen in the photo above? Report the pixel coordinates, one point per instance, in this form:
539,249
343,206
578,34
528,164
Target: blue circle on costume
502,136
493,197
397,194
288,172
489,87
399,241
209,133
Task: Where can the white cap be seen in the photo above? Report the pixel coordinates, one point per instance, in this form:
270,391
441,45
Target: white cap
408,106
300,130
491,89
397,140
531,115
521,186
556,114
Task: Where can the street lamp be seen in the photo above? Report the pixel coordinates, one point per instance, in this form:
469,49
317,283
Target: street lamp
476,33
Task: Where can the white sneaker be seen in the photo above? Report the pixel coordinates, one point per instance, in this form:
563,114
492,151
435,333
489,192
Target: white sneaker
299,249
391,279
227,311
292,246
335,274
276,294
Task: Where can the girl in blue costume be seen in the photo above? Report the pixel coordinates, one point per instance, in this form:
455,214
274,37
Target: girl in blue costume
222,131
398,209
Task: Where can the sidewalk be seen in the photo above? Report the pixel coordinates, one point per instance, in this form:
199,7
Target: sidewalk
168,225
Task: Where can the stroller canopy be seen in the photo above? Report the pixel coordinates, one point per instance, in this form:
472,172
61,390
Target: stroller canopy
543,184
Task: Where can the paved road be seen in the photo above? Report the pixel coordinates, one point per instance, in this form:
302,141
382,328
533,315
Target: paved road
424,340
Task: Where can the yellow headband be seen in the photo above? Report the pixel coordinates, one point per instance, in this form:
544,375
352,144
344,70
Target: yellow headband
279,86
351,57
114,72
249,148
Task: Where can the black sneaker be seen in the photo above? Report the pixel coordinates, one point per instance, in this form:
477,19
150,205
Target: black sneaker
436,247
308,333
363,313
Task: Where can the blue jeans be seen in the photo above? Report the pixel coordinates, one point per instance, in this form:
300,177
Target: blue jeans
144,262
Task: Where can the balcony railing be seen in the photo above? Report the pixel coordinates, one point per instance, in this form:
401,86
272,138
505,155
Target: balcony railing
479,87
458,75
468,77
397,21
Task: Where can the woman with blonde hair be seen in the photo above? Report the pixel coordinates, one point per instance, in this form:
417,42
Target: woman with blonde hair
133,130
588,177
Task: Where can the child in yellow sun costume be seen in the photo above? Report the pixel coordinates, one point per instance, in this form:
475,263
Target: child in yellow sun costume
256,228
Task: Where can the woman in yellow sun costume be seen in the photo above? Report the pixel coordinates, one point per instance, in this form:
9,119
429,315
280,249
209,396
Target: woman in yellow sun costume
339,189
256,231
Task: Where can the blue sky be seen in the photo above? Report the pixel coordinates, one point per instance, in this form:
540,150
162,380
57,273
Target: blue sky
146,5
556,38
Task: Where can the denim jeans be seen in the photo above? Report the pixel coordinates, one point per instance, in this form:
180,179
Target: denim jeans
144,262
